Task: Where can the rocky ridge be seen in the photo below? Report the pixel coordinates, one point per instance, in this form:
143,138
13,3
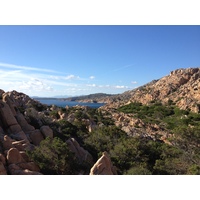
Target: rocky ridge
181,87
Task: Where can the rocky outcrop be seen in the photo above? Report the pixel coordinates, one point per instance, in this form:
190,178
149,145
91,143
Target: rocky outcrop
17,170
181,86
103,166
9,122
2,165
6,115
36,137
14,159
7,143
46,131
8,98
17,135
2,169
23,123
1,93
82,154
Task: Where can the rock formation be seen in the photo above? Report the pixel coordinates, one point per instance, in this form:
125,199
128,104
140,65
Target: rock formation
181,86
17,135
16,160
103,166
82,154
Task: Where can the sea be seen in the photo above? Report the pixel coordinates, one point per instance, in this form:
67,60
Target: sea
61,103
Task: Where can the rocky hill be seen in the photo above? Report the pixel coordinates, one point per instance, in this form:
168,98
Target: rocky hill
181,86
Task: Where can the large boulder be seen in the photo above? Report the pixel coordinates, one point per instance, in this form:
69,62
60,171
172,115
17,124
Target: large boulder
16,132
6,115
36,137
23,123
2,159
1,134
2,169
1,93
21,145
82,154
14,129
9,99
7,143
16,170
25,156
46,131
30,166
103,166
14,157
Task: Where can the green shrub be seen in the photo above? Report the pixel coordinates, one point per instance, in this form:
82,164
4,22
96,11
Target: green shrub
54,157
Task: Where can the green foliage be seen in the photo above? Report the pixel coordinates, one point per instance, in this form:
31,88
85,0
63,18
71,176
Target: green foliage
54,114
138,170
169,115
54,157
194,170
153,113
181,158
131,155
103,139
66,129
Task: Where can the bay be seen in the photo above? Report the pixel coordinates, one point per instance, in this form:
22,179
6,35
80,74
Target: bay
61,103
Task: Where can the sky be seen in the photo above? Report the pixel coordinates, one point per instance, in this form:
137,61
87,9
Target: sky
73,60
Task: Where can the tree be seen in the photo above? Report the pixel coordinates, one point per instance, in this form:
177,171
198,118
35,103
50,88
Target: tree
54,157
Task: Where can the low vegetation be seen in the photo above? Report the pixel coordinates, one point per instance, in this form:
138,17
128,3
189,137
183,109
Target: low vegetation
131,155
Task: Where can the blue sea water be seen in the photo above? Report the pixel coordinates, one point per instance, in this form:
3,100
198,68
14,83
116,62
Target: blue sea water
68,103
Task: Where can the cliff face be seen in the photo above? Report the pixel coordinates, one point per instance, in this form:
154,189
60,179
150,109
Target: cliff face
181,86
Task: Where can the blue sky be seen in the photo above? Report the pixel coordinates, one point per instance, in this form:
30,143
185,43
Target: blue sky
77,60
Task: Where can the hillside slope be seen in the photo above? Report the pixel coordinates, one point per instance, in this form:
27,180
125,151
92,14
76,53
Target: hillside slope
181,86
181,89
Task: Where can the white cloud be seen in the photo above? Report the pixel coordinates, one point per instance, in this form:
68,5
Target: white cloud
11,66
108,86
34,85
92,77
70,77
121,87
91,85
35,82
134,82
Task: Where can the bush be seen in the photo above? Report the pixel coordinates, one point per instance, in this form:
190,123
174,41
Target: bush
54,157
138,170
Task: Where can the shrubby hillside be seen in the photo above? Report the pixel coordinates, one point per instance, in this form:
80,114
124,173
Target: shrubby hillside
152,130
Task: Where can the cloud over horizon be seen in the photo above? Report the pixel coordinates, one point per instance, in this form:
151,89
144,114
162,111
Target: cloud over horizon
45,82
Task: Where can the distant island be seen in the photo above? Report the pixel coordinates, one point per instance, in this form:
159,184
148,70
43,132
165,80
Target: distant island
91,98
